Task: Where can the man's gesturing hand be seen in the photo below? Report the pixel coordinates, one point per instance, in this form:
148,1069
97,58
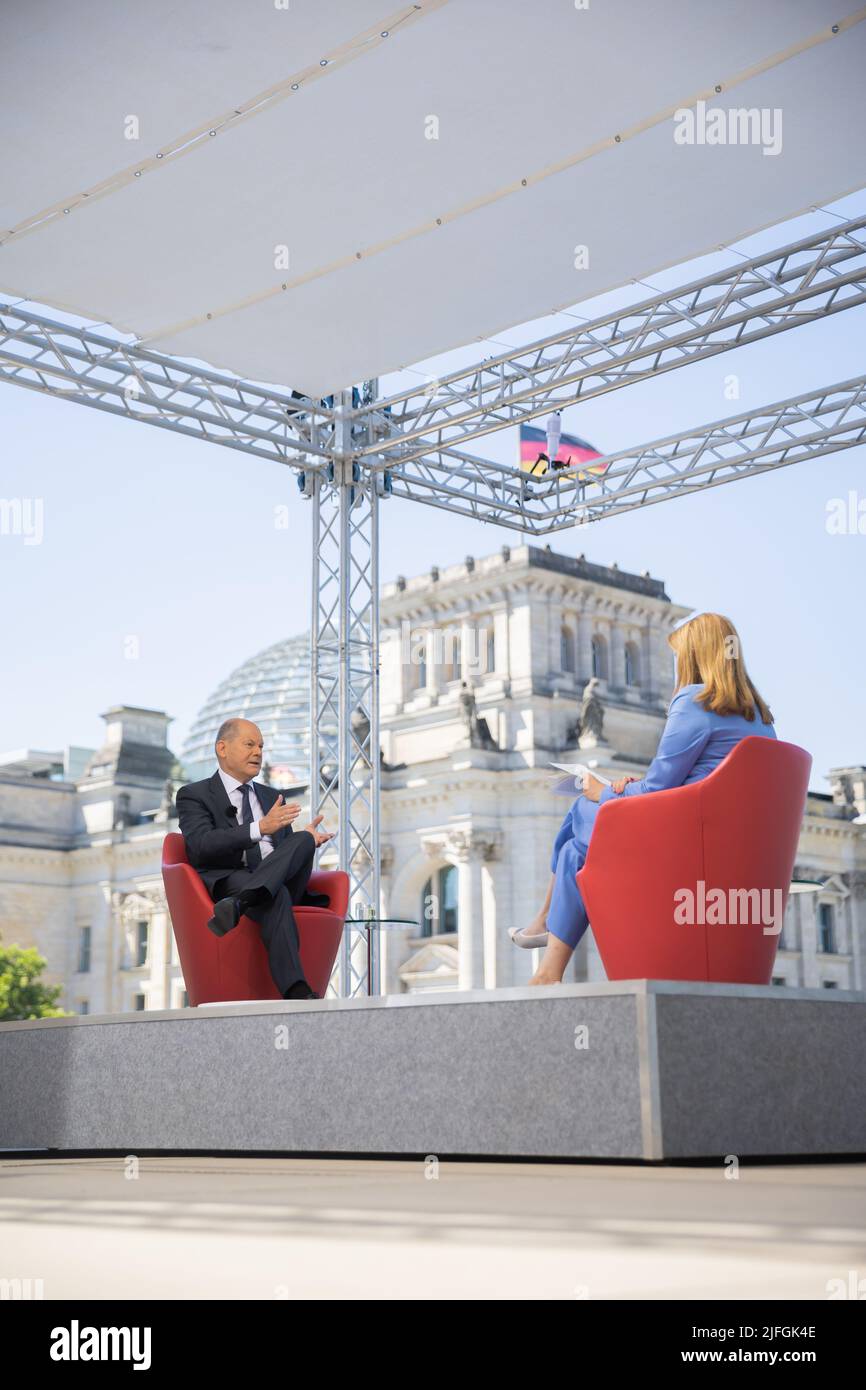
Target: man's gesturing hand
321,837
279,816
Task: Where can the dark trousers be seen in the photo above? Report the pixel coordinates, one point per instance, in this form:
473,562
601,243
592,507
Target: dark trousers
266,894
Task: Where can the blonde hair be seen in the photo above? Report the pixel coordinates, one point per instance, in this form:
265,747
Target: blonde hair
708,653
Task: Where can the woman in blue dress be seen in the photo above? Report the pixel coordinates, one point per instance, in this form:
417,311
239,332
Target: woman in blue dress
714,706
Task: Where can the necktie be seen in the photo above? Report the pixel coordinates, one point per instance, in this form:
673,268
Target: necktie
254,854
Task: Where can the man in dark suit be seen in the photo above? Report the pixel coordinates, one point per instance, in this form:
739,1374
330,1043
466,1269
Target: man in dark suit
239,836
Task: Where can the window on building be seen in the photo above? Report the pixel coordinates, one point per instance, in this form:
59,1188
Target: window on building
829,984
421,669
826,929
84,1006
778,979
491,649
566,650
138,1001
84,937
632,664
184,1000
141,933
599,657
439,902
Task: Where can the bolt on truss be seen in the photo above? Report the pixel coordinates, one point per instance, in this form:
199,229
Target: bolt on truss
803,281
344,690
771,436
78,364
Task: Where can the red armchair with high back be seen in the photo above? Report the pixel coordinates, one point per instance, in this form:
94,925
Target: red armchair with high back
737,829
235,966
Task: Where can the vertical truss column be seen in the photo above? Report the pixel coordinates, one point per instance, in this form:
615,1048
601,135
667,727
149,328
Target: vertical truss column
344,704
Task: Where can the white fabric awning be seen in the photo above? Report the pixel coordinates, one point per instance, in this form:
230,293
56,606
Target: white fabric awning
399,246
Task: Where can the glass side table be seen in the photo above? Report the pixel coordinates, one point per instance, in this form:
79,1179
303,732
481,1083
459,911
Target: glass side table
371,926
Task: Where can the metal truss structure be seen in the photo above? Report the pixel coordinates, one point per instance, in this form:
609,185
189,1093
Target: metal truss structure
767,437
344,688
804,281
78,364
354,450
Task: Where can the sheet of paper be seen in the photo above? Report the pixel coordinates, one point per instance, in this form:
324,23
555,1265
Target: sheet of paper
576,772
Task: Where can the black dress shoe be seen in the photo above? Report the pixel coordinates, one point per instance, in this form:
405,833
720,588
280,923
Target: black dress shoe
300,990
226,915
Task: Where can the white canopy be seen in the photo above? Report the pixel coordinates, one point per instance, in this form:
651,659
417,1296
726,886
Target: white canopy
428,173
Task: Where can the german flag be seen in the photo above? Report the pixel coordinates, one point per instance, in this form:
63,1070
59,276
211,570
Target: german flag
572,453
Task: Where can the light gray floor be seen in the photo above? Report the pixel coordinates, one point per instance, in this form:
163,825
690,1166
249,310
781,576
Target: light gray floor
302,1228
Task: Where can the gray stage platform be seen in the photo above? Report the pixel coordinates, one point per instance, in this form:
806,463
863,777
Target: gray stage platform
629,1071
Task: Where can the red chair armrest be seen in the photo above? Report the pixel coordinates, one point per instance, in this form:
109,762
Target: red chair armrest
640,844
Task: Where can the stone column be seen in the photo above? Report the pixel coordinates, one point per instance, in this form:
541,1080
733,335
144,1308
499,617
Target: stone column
161,938
470,666
470,921
584,646
471,849
105,995
525,655
498,950
555,620
647,679
501,634
393,670
857,884
809,940
433,653
617,655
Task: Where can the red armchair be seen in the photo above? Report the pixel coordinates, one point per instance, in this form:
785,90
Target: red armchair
235,966
736,829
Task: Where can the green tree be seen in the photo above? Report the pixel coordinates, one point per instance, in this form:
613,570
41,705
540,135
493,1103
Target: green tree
22,993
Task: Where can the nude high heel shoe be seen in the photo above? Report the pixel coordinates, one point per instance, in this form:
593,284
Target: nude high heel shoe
529,943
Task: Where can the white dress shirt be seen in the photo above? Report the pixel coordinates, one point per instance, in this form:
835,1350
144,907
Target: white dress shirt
233,788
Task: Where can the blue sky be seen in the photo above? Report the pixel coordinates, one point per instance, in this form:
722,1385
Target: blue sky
169,541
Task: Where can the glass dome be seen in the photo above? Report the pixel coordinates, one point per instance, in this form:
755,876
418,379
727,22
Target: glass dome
273,690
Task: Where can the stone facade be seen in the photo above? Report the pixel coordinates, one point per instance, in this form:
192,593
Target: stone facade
80,871
490,816
484,667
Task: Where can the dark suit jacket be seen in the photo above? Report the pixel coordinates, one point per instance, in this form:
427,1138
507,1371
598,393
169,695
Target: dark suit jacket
215,843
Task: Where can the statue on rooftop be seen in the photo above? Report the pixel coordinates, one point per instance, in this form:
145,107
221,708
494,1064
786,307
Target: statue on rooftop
478,729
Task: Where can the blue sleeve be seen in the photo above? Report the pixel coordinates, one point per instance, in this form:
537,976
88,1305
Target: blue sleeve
683,739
